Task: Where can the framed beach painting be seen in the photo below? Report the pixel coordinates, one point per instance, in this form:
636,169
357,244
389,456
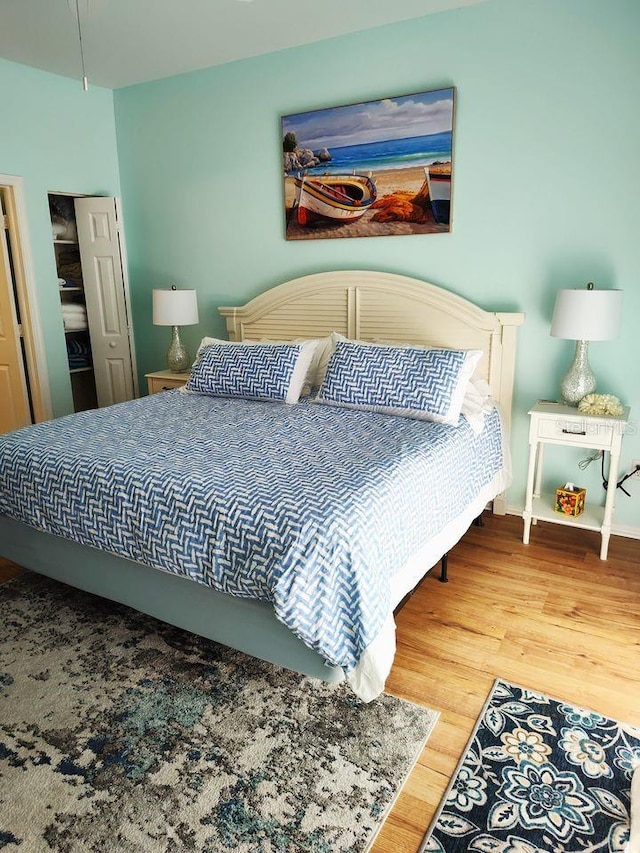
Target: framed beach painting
373,169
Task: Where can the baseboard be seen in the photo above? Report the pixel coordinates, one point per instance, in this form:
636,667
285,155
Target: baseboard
616,529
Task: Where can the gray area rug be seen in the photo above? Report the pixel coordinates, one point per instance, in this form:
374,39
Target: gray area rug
120,733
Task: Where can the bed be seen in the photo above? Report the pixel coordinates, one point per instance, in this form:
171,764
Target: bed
381,308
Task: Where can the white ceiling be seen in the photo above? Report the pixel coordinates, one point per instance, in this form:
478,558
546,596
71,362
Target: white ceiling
134,41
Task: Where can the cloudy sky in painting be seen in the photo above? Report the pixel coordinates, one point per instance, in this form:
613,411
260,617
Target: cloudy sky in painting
389,118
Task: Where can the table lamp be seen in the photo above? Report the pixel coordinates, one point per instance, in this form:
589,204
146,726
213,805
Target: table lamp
175,308
582,316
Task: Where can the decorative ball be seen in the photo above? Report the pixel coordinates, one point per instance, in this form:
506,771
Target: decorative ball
600,404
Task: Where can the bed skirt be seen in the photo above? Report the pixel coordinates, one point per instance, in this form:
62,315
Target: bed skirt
242,623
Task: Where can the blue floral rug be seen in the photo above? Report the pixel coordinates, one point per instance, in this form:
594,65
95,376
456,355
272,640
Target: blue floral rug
538,775
120,734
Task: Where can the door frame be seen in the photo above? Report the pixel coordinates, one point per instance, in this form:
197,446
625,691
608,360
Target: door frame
34,349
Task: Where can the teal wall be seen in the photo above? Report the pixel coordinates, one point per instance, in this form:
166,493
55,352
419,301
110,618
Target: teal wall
547,175
547,180
57,138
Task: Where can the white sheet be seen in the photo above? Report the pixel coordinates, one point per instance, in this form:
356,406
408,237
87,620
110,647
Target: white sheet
369,677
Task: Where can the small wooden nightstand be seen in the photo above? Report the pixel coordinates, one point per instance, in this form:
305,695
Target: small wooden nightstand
164,380
555,423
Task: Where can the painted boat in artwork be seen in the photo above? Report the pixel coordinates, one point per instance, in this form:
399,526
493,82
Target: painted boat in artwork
336,198
439,184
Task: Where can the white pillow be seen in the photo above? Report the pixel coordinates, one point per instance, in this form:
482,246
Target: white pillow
207,342
321,358
476,403
476,397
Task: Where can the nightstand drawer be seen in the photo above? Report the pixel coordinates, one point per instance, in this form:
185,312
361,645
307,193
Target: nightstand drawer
165,381
586,432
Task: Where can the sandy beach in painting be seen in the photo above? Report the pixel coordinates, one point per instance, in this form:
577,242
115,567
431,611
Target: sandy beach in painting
388,181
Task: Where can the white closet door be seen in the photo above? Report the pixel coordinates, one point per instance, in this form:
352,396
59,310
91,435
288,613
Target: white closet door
102,272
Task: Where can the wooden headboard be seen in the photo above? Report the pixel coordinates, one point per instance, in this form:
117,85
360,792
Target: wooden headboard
377,306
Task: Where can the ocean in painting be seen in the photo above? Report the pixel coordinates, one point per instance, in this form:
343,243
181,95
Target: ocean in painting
388,154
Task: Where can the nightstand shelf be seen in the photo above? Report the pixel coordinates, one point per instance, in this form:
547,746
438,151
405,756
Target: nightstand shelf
543,510
165,380
556,423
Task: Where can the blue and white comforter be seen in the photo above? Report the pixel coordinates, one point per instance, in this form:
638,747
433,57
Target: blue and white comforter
310,507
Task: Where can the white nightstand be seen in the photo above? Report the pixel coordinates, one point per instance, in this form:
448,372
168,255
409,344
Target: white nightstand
555,423
164,380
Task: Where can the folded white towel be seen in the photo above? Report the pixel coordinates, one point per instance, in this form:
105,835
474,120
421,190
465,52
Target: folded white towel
75,324
74,317
73,308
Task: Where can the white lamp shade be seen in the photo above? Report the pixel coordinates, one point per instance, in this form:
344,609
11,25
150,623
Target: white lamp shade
587,315
175,308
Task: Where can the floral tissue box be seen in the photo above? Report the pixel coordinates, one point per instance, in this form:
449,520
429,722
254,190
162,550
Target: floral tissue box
570,500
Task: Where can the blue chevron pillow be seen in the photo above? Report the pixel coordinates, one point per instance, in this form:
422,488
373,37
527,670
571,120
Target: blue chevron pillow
252,371
417,382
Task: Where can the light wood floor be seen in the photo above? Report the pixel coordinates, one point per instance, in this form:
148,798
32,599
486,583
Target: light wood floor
550,616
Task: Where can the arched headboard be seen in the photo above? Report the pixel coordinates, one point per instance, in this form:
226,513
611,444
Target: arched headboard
379,306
